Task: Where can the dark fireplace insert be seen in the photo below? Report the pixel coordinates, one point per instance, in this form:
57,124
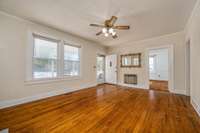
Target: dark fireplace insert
130,79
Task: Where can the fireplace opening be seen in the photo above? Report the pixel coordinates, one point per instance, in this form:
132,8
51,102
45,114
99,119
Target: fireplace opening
130,79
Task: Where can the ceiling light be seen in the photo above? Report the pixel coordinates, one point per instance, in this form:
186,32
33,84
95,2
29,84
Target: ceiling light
106,34
111,31
104,30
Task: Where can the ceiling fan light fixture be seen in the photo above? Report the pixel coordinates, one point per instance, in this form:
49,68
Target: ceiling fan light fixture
114,33
104,30
106,34
111,30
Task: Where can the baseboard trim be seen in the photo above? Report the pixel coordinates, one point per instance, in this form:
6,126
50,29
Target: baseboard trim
182,92
4,131
132,86
195,106
10,103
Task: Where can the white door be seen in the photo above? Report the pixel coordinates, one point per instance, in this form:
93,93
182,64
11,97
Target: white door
111,69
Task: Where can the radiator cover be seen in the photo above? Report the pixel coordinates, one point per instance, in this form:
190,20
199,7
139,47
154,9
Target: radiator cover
130,79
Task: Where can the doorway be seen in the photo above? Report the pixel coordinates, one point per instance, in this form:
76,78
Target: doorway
159,69
100,69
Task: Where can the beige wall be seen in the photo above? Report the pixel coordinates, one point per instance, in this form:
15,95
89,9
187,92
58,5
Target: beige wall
193,34
176,39
13,43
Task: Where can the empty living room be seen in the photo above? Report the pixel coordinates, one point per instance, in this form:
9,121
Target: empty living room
99,66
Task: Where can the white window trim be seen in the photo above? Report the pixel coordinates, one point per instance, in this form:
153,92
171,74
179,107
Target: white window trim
60,57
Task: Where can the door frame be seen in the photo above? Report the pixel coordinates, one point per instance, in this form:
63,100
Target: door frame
101,55
188,67
170,65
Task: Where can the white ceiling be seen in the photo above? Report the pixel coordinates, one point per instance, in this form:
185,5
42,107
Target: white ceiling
147,18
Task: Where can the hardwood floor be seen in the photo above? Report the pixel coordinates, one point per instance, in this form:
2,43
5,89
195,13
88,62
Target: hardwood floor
159,85
105,109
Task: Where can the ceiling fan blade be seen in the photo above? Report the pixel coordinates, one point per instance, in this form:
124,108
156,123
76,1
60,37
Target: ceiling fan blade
99,33
122,27
97,25
114,37
113,20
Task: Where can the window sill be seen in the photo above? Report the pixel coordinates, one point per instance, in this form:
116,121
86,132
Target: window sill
50,80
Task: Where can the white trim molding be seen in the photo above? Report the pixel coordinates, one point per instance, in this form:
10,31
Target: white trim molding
14,102
4,131
182,92
132,86
195,106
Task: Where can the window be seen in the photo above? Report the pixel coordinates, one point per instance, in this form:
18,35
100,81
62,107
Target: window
152,61
44,58
71,60
54,59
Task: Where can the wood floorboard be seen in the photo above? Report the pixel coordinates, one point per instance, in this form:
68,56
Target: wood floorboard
104,109
158,85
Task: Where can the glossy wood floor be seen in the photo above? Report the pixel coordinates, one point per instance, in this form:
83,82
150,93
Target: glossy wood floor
105,109
158,85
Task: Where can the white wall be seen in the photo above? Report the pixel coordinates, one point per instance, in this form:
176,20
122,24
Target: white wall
176,39
13,43
193,34
161,64
14,40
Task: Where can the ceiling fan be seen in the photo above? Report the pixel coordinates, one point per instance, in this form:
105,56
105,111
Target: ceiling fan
109,27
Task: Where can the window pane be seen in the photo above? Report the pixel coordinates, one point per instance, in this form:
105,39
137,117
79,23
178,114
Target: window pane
44,59
71,68
136,61
151,64
71,60
127,60
45,49
44,68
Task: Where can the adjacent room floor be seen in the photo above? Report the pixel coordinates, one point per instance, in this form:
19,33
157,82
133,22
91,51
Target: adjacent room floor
105,108
158,85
